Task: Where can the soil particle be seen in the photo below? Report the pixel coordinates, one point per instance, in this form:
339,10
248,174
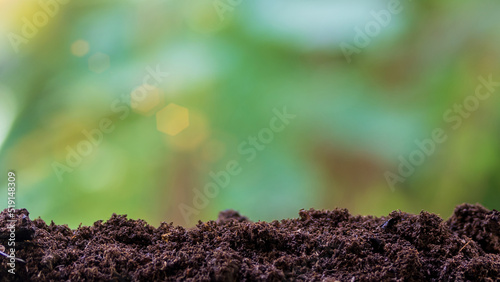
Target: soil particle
318,246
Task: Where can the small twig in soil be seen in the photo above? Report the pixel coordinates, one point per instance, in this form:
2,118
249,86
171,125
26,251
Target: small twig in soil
465,245
7,256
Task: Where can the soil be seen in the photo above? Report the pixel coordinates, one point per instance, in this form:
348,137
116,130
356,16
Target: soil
317,246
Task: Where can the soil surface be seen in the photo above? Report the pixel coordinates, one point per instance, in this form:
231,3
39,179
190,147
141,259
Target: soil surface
317,246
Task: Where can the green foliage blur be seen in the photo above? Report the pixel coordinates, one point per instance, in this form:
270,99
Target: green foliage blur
67,66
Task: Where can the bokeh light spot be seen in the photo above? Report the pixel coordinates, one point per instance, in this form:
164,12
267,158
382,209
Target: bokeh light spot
80,48
172,119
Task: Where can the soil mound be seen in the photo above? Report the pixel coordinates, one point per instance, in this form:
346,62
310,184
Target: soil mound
318,246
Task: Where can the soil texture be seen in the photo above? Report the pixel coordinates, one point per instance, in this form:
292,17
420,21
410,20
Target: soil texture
319,245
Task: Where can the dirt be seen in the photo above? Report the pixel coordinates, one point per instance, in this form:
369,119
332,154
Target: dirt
317,246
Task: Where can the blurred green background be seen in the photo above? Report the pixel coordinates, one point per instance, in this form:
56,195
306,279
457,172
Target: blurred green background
66,66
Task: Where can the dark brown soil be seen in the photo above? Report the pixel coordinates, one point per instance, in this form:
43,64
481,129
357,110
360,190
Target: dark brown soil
317,246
